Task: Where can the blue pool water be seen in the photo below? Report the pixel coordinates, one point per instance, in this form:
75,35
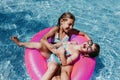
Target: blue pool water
24,18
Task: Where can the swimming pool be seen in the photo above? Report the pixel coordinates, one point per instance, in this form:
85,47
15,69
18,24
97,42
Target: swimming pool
24,18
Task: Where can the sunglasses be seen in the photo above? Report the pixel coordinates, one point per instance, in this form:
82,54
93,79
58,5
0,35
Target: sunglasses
89,49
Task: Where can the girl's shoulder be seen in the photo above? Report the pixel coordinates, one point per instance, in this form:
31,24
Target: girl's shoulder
56,28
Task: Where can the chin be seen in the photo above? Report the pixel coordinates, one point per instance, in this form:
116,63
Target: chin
66,31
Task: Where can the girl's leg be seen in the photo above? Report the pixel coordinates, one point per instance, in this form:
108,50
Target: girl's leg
36,45
57,75
66,72
52,67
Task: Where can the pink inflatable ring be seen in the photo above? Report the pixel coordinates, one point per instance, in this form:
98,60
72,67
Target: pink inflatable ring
36,64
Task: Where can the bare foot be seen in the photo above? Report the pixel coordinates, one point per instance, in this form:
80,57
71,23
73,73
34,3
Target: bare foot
16,40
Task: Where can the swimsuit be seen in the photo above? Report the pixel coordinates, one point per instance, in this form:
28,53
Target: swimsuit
56,39
66,50
53,57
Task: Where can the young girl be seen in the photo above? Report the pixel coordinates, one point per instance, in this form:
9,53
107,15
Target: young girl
68,52
61,33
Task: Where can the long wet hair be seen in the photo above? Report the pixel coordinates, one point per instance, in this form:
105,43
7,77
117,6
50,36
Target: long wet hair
64,16
95,52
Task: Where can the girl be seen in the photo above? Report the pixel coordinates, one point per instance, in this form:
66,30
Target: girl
61,33
68,52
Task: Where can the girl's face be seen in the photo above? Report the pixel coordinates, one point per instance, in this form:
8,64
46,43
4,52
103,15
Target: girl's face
87,47
66,24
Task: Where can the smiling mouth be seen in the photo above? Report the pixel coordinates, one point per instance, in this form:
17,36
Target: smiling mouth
84,45
66,31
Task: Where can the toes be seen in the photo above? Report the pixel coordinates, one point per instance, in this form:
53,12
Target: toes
15,39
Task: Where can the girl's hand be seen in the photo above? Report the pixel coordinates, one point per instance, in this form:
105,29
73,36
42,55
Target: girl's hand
52,48
57,45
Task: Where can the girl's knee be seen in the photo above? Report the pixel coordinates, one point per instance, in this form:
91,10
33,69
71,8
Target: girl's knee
54,78
39,45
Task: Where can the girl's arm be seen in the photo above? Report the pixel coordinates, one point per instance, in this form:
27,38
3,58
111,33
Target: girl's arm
85,35
68,60
75,31
57,45
45,38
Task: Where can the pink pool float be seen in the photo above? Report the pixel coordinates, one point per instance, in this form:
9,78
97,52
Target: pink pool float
36,64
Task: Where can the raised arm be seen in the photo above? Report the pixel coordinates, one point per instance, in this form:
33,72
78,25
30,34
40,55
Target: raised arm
75,31
57,45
